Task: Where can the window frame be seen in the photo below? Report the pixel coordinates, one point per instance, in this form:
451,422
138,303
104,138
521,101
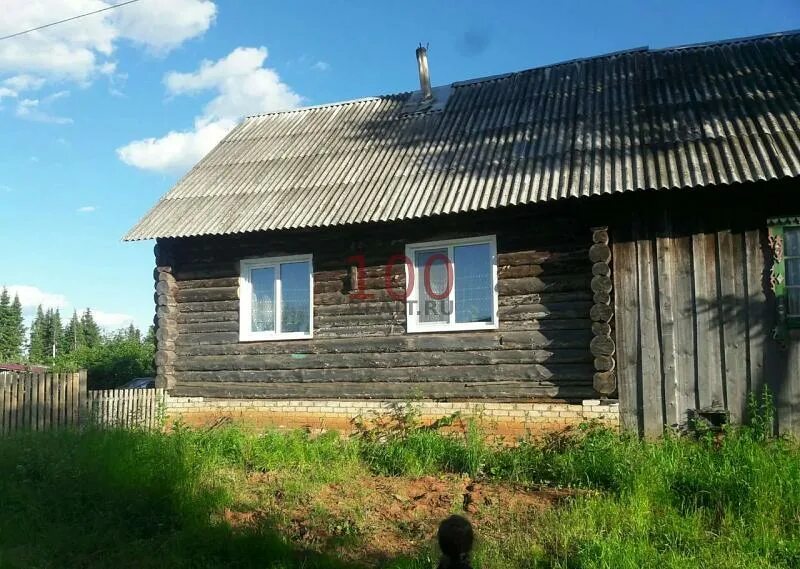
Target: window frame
246,267
413,326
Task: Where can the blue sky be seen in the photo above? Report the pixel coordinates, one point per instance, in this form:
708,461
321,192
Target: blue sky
101,116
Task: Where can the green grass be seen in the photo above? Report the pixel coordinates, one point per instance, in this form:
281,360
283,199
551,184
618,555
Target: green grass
133,499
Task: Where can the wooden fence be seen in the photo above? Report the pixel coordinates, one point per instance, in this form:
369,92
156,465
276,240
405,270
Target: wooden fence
40,402
126,408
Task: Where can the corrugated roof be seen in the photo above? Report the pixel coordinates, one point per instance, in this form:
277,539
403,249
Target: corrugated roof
644,119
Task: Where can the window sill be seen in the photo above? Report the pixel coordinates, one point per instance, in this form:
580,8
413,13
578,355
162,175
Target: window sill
468,327
273,337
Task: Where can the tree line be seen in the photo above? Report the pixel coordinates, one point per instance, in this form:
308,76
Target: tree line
12,328
109,358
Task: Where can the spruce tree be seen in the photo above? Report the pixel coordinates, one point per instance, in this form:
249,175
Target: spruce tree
151,337
91,331
73,335
133,334
16,330
37,350
5,325
56,338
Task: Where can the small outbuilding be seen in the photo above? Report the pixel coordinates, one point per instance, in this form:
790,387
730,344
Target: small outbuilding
540,244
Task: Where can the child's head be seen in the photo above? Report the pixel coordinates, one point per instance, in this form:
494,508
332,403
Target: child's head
455,538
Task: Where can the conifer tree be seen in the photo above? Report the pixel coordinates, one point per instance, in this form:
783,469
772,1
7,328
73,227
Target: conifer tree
151,337
37,350
56,338
91,331
5,323
16,330
73,335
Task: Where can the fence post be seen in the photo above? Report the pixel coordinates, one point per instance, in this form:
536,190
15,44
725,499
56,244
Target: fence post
83,399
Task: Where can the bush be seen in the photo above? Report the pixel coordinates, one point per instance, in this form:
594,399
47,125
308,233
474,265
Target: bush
112,363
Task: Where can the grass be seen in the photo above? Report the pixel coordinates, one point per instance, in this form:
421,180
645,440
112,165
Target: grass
229,498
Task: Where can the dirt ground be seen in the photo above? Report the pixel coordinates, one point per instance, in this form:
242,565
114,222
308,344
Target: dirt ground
373,518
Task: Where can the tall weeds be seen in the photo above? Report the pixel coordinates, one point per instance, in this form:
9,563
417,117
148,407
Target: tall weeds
135,499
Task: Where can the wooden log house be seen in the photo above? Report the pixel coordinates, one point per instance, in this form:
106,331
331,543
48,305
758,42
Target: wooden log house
618,227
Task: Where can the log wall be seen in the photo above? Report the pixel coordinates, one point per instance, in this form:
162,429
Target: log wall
360,347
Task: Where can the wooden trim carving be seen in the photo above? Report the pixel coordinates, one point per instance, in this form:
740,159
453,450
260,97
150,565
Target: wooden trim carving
166,319
602,313
777,283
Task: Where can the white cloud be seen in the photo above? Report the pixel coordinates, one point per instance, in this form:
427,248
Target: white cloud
164,25
23,82
243,85
321,66
112,320
31,297
87,209
176,151
37,109
82,48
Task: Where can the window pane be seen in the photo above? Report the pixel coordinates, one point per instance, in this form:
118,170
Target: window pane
430,309
263,299
474,294
793,294
792,272
791,241
295,293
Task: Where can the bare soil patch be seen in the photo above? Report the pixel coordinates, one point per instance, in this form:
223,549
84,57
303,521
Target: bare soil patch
370,519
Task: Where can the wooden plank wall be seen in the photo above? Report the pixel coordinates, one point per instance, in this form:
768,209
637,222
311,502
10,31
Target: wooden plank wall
360,347
693,320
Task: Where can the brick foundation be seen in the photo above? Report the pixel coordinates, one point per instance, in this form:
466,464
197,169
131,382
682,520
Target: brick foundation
510,419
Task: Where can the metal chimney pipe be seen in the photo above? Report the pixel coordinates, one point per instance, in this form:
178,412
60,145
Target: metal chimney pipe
424,74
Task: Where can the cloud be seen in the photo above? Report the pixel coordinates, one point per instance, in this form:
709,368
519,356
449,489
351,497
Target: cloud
321,66
37,109
79,49
176,151
23,82
31,297
112,320
87,209
243,86
164,25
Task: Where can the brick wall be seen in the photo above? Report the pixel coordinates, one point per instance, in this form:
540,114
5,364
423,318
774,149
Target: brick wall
497,418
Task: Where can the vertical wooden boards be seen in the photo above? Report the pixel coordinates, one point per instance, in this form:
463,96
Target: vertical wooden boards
40,402
14,407
733,305
708,321
650,377
758,331
83,393
3,400
665,271
683,307
626,319
693,322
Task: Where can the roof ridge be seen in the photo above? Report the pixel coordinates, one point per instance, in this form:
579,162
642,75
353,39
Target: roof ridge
500,76
326,105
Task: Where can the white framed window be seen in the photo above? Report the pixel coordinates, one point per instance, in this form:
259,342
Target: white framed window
452,285
276,298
